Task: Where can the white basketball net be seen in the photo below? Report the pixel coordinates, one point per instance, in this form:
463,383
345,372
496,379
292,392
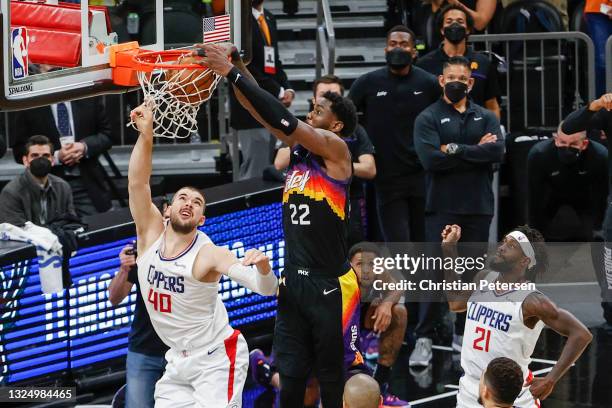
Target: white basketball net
175,98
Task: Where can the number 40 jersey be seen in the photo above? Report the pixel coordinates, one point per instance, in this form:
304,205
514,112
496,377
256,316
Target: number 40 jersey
315,213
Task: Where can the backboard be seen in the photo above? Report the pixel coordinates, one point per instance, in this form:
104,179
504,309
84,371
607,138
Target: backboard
54,51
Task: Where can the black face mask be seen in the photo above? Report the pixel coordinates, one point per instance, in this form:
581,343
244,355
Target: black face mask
40,167
455,91
568,155
256,3
398,58
455,33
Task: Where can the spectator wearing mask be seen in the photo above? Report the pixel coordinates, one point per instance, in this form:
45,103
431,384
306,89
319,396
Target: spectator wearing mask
598,16
567,170
256,143
80,133
597,115
145,362
36,195
480,11
458,141
390,100
456,25
362,152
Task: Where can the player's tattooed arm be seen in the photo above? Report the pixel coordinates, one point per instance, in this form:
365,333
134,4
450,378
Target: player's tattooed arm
457,299
148,219
539,307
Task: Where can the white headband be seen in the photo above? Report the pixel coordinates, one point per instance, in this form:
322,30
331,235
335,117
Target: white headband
525,246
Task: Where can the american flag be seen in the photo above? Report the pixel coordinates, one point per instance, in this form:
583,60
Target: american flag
217,29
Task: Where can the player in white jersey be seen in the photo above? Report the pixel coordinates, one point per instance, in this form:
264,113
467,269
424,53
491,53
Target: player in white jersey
508,324
179,269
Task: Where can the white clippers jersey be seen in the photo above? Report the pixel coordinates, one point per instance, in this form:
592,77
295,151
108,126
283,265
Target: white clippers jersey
494,328
186,313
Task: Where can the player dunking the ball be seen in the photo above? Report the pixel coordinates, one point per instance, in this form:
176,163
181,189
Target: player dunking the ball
317,322
508,324
179,269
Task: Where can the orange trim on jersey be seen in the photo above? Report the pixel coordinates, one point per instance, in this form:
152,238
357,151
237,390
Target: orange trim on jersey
350,297
310,182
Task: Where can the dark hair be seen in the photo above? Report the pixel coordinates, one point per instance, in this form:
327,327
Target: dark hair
539,247
505,379
469,21
328,79
345,111
457,60
192,188
38,140
363,247
402,29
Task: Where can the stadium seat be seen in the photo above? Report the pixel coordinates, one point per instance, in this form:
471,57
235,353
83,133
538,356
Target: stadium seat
531,16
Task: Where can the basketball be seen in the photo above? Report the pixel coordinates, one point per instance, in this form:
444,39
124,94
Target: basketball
190,86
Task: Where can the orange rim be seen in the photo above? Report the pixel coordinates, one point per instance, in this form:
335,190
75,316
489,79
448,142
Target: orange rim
150,60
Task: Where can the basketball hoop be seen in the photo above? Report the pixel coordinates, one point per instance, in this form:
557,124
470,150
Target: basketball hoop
175,85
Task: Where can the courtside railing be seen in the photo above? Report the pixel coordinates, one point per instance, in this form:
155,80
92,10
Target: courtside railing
326,40
544,75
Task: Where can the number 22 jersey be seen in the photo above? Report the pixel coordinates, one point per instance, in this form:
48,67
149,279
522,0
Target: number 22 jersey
315,213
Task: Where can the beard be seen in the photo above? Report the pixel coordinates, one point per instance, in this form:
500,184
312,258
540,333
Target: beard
501,265
182,227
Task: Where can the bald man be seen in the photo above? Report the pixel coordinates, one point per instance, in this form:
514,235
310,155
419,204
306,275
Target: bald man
361,391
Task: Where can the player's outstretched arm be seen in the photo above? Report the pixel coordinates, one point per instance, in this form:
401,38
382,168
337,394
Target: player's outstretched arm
253,272
457,299
147,217
538,306
271,113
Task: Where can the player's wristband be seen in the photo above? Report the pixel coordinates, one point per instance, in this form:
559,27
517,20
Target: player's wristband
268,107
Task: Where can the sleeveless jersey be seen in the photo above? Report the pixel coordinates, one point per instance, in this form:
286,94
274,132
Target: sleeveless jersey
315,213
494,328
185,313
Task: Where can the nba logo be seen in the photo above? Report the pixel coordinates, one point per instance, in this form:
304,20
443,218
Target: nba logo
20,52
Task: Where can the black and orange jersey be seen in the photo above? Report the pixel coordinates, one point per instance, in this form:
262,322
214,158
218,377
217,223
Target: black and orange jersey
315,213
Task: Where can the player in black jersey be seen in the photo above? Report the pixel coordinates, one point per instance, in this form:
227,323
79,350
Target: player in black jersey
317,323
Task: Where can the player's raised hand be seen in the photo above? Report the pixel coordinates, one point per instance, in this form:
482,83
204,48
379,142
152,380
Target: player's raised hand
142,117
541,387
259,259
216,57
451,234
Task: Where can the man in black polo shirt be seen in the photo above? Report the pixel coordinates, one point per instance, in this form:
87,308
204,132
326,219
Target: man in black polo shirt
458,141
145,362
456,25
390,99
567,170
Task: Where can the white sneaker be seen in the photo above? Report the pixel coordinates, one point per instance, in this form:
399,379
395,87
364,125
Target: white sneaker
457,343
421,355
